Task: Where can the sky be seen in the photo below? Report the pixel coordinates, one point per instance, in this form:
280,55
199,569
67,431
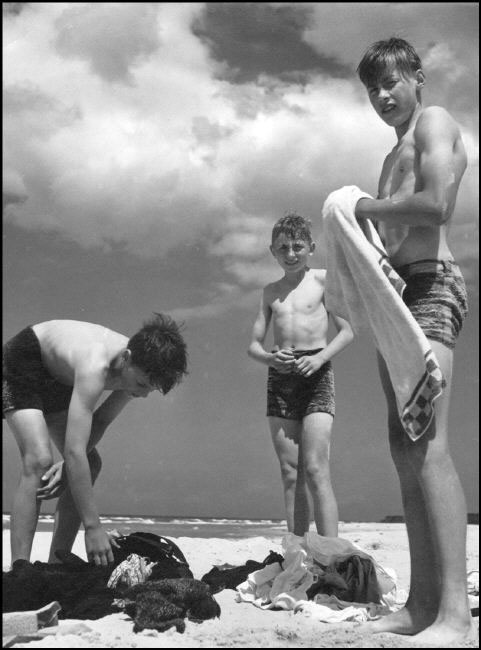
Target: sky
148,149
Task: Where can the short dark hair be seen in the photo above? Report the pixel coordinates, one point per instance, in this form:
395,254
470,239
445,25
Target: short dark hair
382,54
292,225
159,350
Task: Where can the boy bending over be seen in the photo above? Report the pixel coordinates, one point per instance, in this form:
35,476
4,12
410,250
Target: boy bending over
417,194
53,375
300,388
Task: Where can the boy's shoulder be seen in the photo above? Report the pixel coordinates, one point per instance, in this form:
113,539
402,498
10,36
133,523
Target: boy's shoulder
435,117
319,274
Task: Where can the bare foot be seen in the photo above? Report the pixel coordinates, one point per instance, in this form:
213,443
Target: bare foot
400,622
443,635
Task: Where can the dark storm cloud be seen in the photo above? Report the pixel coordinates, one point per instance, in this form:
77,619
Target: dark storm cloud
255,38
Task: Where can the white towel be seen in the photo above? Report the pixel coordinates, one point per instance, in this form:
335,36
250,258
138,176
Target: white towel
363,288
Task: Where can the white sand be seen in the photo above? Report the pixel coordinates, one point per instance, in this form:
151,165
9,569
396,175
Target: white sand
243,624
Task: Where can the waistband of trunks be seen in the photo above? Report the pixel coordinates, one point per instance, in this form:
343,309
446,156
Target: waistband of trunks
425,266
303,353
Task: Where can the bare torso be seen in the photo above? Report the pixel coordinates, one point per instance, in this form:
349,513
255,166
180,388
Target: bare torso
299,317
400,178
67,345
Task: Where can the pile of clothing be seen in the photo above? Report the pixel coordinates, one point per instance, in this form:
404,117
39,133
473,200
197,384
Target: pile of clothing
150,580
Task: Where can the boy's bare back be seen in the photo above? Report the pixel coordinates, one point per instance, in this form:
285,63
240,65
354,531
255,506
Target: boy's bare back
68,346
299,317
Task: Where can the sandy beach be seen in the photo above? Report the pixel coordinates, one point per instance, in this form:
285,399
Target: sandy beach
242,624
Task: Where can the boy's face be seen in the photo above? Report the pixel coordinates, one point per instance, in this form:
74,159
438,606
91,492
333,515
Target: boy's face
394,95
291,253
135,381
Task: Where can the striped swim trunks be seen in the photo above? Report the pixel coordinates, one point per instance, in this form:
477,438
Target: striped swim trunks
436,295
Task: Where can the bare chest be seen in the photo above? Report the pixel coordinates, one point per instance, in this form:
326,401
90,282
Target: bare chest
400,171
306,300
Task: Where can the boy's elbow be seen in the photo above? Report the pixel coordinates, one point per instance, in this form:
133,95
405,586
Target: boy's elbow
437,211
438,214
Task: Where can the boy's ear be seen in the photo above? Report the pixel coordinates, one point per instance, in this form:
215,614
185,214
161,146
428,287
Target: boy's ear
420,78
271,249
122,358
312,248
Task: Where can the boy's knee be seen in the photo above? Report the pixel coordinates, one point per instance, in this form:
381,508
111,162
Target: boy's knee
289,474
37,463
317,471
95,463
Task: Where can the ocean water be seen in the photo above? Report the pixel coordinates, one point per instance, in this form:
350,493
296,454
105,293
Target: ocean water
182,526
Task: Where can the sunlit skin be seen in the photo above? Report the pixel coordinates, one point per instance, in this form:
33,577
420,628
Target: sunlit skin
295,307
97,361
416,199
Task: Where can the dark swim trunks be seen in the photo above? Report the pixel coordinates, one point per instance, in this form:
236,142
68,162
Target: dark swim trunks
293,396
26,382
436,296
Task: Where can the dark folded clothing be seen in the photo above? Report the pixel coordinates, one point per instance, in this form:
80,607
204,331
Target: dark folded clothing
160,604
352,579
229,578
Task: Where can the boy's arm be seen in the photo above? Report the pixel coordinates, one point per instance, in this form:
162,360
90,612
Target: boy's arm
256,348
431,205
309,364
88,386
105,414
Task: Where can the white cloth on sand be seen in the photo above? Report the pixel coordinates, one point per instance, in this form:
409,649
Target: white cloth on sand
363,288
286,587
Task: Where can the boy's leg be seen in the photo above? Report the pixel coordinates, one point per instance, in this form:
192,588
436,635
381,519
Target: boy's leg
435,513
314,447
285,437
31,433
446,510
421,606
67,520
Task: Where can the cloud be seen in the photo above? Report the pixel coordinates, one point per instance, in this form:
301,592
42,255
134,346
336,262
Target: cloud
261,38
129,134
112,47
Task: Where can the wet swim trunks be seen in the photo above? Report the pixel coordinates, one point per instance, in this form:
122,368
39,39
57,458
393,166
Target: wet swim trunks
436,296
26,382
293,396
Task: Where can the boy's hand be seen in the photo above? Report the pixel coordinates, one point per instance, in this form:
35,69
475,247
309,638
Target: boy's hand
56,482
98,546
308,365
283,360
112,534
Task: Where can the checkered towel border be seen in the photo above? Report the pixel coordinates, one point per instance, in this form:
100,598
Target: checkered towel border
419,410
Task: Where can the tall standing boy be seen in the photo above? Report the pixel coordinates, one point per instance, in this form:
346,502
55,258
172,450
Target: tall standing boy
53,376
416,199
300,391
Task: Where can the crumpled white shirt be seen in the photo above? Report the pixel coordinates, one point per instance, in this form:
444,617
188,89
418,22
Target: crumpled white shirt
286,587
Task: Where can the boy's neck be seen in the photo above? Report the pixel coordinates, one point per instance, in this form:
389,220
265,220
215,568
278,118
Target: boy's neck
295,277
402,129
